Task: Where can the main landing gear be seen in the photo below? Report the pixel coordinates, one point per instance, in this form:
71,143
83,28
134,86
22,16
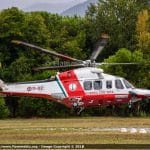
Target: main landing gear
78,110
77,106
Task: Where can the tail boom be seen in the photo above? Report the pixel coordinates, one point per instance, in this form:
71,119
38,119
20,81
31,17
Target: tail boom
41,89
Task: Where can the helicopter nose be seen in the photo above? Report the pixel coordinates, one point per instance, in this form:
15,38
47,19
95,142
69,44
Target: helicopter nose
143,93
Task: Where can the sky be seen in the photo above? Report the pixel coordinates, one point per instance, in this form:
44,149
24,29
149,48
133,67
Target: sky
26,3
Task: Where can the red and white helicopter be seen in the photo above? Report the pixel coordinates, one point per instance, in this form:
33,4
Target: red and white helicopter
78,88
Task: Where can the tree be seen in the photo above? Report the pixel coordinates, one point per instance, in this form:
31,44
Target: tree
143,32
116,18
69,37
11,21
4,112
133,73
35,29
143,37
143,3
41,108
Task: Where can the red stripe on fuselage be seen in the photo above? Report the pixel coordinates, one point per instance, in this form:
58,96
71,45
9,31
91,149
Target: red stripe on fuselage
105,99
45,96
71,84
27,95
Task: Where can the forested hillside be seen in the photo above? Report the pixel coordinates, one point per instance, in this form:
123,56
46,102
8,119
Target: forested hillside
127,23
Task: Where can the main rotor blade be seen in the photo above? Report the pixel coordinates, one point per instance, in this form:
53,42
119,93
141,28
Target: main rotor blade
103,63
99,47
46,51
58,67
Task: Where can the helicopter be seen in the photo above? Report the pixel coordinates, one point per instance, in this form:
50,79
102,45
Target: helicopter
83,85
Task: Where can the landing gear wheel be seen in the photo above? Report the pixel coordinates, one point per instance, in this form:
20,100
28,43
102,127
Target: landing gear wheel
78,110
136,109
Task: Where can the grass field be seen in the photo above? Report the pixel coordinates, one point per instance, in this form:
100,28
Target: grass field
73,131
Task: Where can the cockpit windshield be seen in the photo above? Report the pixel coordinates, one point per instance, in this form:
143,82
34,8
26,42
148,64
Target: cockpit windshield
127,84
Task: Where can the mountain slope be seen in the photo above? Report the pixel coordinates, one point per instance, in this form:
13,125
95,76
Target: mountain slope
52,7
78,9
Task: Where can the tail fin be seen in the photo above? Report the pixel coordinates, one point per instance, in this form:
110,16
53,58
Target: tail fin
2,85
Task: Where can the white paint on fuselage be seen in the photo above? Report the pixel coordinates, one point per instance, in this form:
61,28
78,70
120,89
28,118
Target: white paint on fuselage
142,92
95,74
49,87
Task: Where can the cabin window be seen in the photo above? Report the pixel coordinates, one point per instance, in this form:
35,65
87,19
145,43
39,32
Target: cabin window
97,85
109,84
118,84
87,85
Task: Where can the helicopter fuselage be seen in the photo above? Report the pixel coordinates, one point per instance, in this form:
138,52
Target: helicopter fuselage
79,88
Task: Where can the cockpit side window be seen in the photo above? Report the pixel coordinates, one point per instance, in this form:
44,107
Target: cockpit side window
118,84
109,84
97,85
87,85
127,84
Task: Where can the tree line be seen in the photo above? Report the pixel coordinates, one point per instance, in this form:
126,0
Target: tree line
127,23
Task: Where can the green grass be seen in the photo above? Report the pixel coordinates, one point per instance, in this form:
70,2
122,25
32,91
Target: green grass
71,131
